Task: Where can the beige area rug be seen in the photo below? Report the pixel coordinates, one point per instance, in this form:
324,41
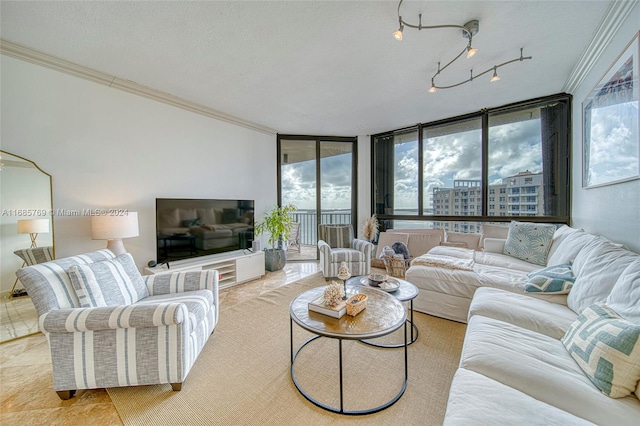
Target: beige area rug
242,376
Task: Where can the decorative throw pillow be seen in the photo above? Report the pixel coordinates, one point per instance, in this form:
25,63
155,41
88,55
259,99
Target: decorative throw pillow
625,294
529,241
597,268
387,251
556,279
401,248
337,236
108,283
492,231
607,348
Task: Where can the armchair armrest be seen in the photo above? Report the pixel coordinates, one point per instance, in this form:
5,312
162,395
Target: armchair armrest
364,246
324,247
112,317
494,245
179,282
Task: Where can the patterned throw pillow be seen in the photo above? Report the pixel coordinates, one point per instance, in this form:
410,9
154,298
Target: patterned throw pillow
108,283
607,349
529,241
554,280
337,236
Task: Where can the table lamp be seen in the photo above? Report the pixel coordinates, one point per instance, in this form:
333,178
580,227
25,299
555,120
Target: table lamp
33,227
113,229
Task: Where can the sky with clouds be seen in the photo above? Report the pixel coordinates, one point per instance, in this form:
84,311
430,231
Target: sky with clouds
613,147
514,148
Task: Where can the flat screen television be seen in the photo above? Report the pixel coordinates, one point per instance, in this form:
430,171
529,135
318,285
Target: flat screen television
187,228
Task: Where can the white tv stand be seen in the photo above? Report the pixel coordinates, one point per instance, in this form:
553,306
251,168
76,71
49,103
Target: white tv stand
234,268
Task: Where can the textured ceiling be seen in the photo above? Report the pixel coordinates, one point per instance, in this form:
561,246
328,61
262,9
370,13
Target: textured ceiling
315,67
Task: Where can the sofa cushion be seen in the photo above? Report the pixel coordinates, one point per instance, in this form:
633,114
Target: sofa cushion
471,241
597,267
49,284
541,367
567,244
529,241
542,316
607,349
337,236
625,295
475,399
504,261
108,283
556,279
492,231
418,244
347,255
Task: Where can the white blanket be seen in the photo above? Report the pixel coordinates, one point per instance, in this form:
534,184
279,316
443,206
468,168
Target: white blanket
443,262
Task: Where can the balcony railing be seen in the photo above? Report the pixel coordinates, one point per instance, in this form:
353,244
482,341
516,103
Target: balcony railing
309,223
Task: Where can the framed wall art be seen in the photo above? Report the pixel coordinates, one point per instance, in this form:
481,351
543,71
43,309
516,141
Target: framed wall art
611,146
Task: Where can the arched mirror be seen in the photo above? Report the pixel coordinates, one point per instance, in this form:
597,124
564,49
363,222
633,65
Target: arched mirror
25,222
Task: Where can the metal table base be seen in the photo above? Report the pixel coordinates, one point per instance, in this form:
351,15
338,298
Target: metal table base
341,410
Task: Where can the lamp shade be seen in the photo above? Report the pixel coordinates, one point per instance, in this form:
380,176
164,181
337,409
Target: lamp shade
114,227
33,226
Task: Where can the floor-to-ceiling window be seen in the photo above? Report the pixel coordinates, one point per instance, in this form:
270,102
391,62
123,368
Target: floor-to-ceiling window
317,175
495,165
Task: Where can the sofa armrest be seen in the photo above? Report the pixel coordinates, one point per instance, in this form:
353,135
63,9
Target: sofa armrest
179,282
494,245
113,317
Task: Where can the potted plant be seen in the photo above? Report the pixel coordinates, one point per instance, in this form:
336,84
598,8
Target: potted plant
277,223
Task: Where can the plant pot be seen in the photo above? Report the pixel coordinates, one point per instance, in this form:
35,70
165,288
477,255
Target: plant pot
274,259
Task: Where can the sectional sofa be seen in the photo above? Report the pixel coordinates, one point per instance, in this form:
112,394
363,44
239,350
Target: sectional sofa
569,356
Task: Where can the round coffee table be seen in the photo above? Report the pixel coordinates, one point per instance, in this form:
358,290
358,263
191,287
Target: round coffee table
383,315
405,293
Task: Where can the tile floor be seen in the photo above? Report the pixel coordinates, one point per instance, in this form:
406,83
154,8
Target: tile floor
26,385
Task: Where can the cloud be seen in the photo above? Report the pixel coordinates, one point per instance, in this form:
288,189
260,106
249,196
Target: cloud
299,183
613,153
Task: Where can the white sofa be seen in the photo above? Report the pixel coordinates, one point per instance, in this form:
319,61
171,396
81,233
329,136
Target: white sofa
514,367
447,291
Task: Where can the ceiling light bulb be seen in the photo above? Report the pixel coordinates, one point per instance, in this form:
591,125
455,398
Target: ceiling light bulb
495,75
398,34
471,51
432,89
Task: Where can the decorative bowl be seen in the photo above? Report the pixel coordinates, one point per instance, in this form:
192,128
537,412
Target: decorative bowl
376,279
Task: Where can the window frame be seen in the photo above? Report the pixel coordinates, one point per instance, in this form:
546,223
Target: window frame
562,168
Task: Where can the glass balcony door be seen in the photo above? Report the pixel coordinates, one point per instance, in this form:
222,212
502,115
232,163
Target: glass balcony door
317,175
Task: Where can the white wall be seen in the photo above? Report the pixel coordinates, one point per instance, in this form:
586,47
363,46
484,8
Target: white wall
613,210
106,148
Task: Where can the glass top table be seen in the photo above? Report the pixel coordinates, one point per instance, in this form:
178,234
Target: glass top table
383,315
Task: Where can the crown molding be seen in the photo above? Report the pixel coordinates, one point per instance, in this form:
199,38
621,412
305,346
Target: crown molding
616,14
33,56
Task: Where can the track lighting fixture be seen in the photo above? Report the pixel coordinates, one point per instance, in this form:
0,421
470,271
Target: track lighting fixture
469,30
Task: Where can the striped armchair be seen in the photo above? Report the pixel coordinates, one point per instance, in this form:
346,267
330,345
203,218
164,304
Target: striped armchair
108,326
337,244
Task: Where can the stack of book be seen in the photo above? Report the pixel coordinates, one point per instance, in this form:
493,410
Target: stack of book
336,311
